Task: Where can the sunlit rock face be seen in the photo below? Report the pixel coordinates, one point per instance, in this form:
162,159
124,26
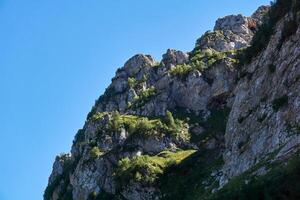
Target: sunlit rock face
154,116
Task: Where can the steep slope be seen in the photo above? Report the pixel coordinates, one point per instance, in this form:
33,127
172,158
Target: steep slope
221,114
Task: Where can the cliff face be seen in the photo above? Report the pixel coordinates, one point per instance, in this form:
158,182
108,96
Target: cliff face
204,116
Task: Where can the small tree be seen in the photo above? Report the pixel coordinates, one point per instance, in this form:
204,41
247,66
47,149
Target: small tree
115,123
143,125
95,152
170,119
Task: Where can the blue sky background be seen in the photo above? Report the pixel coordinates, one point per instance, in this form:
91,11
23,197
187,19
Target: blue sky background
58,56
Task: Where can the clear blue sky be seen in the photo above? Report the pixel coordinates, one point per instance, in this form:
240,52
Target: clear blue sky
58,56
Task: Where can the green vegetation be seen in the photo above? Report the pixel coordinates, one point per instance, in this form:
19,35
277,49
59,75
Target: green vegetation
170,119
96,152
108,94
115,123
148,169
147,94
181,70
132,82
145,127
144,97
210,36
97,116
191,179
281,182
201,60
213,125
280,102
262,37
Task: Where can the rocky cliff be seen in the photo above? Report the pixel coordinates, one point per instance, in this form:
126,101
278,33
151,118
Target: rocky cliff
213,123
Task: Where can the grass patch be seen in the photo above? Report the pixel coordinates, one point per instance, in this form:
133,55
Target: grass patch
147,169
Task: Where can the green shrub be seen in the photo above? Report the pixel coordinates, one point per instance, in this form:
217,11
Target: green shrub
280,102
145,127
96,152
148,93
202,59
213,125
144,97
98,116
170,119
115,123
181,70
132,82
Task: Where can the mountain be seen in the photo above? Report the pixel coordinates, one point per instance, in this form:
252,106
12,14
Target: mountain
219,122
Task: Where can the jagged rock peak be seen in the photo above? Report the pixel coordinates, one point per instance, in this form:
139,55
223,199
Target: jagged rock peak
260,13
135,63
174,57
232,31
240,24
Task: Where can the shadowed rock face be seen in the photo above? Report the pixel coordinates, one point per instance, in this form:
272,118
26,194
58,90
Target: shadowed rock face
242,113
255,125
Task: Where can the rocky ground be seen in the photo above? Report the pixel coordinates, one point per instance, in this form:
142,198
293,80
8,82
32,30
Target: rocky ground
190,125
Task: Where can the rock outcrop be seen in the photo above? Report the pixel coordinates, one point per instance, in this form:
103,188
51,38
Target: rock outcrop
203,110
